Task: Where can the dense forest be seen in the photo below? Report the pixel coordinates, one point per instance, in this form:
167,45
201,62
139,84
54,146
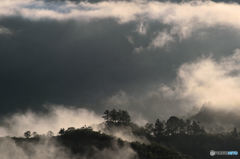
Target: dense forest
172,139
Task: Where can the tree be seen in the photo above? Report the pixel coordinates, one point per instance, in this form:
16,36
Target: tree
61,131
158,128
124,117
116,117
196,129
106,115
70,129
27,134
188,127
149,128
172,126
113,114
234,132
182,127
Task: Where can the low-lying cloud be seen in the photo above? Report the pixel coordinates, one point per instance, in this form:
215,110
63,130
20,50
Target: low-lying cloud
45,149
57,117
212,82
51,149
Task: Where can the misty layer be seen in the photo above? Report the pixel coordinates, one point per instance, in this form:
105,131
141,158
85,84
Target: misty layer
57,117
45,149
210,82
50,149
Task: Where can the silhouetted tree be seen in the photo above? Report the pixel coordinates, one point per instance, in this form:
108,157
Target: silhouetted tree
158,128
70,129
188,127
234,132
173,126
116,117
113,114
124,117
106,115
178,126
149,128
61,131
27,134
196,129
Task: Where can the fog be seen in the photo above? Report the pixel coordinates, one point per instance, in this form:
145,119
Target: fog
53,119
50,149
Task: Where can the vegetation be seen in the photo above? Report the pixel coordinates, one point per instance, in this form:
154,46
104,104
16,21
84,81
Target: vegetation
116,118
174,139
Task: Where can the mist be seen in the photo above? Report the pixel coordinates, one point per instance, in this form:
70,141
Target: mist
51,149
53,119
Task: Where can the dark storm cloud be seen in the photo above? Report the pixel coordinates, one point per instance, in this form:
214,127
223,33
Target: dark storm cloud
81,63
68,62
63,59
51,62
71,63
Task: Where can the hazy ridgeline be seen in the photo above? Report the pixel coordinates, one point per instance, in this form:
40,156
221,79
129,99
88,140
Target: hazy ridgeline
113,137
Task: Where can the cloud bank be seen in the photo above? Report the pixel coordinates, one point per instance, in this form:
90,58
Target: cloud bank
54,119
208,82
211,82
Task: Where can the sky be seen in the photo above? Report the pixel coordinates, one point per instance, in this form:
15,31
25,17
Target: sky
152,58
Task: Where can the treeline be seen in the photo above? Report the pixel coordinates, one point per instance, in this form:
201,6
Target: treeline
121,118
173,126
174,138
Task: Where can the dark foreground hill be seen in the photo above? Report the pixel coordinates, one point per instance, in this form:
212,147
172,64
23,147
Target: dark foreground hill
86,142
175,138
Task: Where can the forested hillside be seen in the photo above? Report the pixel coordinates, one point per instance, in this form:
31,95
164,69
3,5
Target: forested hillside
174,139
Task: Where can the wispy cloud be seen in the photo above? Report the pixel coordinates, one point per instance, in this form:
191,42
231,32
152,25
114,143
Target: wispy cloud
161,40
211,82
56,118
4,30
51,149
